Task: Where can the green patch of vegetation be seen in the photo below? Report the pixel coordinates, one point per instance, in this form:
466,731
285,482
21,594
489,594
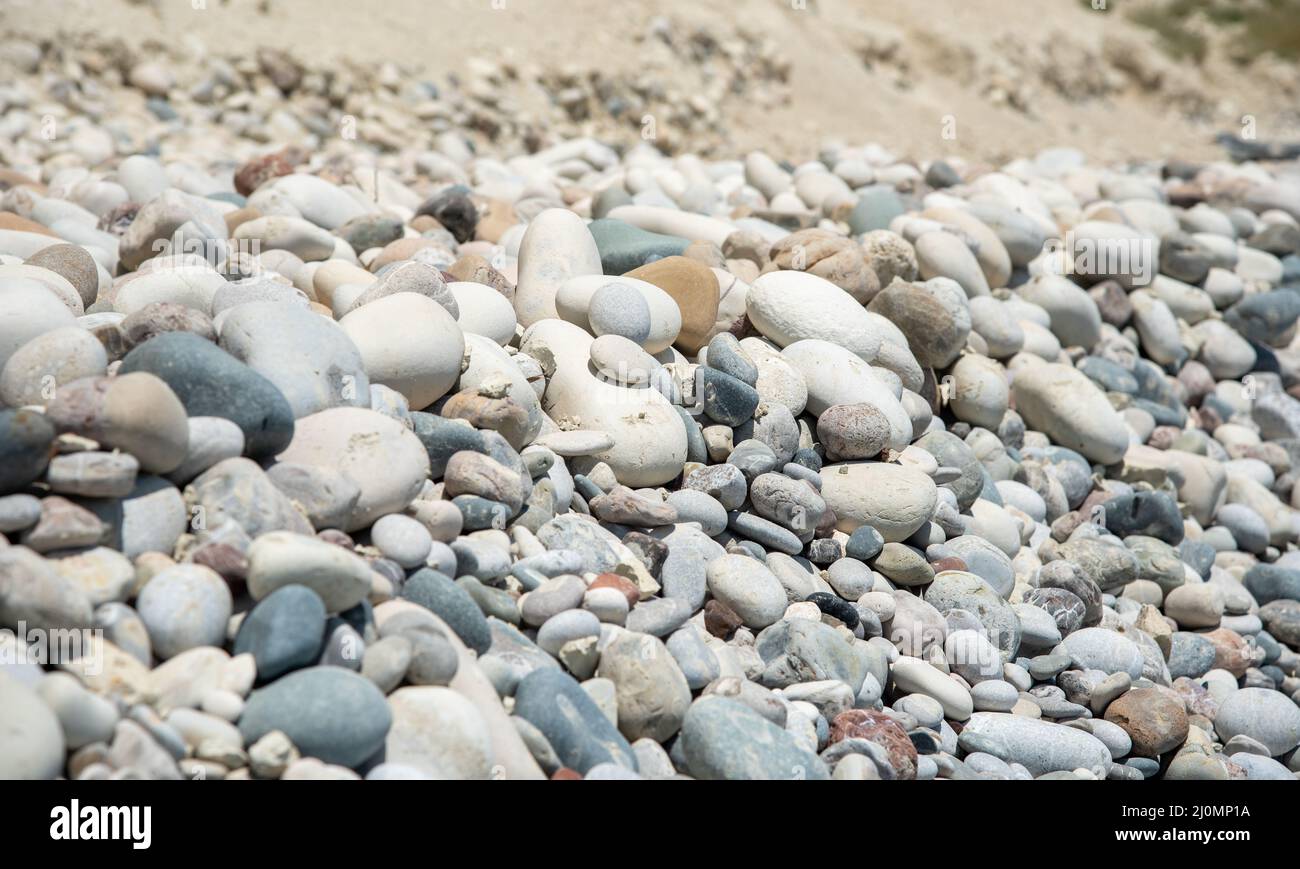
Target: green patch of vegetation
1251,27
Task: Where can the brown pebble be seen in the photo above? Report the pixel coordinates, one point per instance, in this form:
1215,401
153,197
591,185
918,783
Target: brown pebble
720,620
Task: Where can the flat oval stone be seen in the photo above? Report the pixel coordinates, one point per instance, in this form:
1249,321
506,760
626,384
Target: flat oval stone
382,457
183,607
748,588
283,632
894,500
571,721
280,558
327,712
211,382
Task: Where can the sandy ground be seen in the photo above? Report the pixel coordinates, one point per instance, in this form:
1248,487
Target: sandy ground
982,79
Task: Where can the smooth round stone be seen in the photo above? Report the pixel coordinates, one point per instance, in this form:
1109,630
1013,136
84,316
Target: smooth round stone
833,376
995,322
555,247
725,483
151,519
791,306
211,382
864,543
1262,768
694,287
652,692
73,263
574,298
1195,606
409,343
723,739
483,311
1270,582
135,412
33,748
1250,532
1075,319
28,310
1190,655
942,254
552,597
19,512
1268,717
283,632
936,328
577,729
994,695
985,561
183,607
726,399
658,617
441,733
850,578
894,500
304,239
696,506
619,360
36,370
313,362
1040,746
1063,403
453,604
1155,721
328,713
386,661
853,431
26,438
619,309
383,458
280,558
791,503
402,539
748,588
980,392
913,675
1105,650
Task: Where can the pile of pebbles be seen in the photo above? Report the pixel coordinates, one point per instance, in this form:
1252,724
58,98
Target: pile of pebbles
589,464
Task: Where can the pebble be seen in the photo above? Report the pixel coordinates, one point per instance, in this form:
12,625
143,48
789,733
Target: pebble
184,607
327,713
281,558
579,732
283,632
748,589
210,382
725,740
1262,714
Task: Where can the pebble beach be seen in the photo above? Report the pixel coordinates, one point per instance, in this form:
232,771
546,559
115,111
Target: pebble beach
356,427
